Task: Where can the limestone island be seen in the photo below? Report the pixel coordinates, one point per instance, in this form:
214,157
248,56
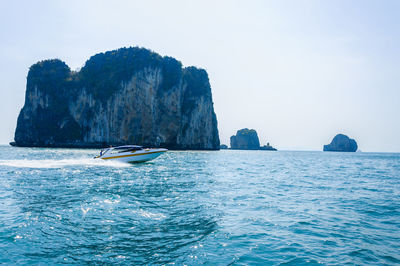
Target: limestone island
125,96
341,143
247,139
268,147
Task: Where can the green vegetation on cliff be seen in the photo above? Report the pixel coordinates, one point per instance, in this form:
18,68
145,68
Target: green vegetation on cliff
104,72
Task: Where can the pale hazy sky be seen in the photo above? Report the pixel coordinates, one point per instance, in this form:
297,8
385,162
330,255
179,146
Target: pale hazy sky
296,71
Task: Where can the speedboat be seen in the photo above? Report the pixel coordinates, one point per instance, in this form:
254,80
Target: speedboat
130,153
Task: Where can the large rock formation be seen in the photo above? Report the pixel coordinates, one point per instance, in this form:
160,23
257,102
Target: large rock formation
245,139
342,143
129,95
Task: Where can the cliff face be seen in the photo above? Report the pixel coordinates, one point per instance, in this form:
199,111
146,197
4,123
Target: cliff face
245,139
342,143
126,96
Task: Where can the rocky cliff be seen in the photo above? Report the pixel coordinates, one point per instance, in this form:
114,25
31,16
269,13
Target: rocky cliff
341,143
245,139
129,95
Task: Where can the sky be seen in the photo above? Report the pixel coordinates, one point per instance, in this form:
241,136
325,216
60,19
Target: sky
299,72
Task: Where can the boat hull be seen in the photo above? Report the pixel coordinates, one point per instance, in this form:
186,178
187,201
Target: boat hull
134,157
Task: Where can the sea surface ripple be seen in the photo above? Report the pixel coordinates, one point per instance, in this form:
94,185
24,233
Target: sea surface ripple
60,206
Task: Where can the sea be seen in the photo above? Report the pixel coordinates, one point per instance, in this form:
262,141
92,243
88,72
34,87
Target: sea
61,206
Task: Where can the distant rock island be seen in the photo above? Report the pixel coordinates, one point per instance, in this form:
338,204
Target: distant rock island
223,147
268,147
247,139
126,96
342,143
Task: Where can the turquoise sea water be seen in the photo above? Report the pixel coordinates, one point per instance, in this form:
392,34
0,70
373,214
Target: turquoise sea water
242,207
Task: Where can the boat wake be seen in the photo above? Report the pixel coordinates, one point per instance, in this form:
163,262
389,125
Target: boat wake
46,163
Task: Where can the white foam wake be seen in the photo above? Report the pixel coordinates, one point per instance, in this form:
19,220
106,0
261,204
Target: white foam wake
61,163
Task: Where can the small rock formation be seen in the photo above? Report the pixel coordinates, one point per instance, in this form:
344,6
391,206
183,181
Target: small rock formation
126,96
342,143
223,147
245,139
268,147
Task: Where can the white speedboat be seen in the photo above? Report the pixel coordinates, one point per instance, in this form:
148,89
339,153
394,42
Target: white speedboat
130,153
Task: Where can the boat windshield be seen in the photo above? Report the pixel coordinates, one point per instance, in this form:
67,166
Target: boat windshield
136,147
120,149
127,148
